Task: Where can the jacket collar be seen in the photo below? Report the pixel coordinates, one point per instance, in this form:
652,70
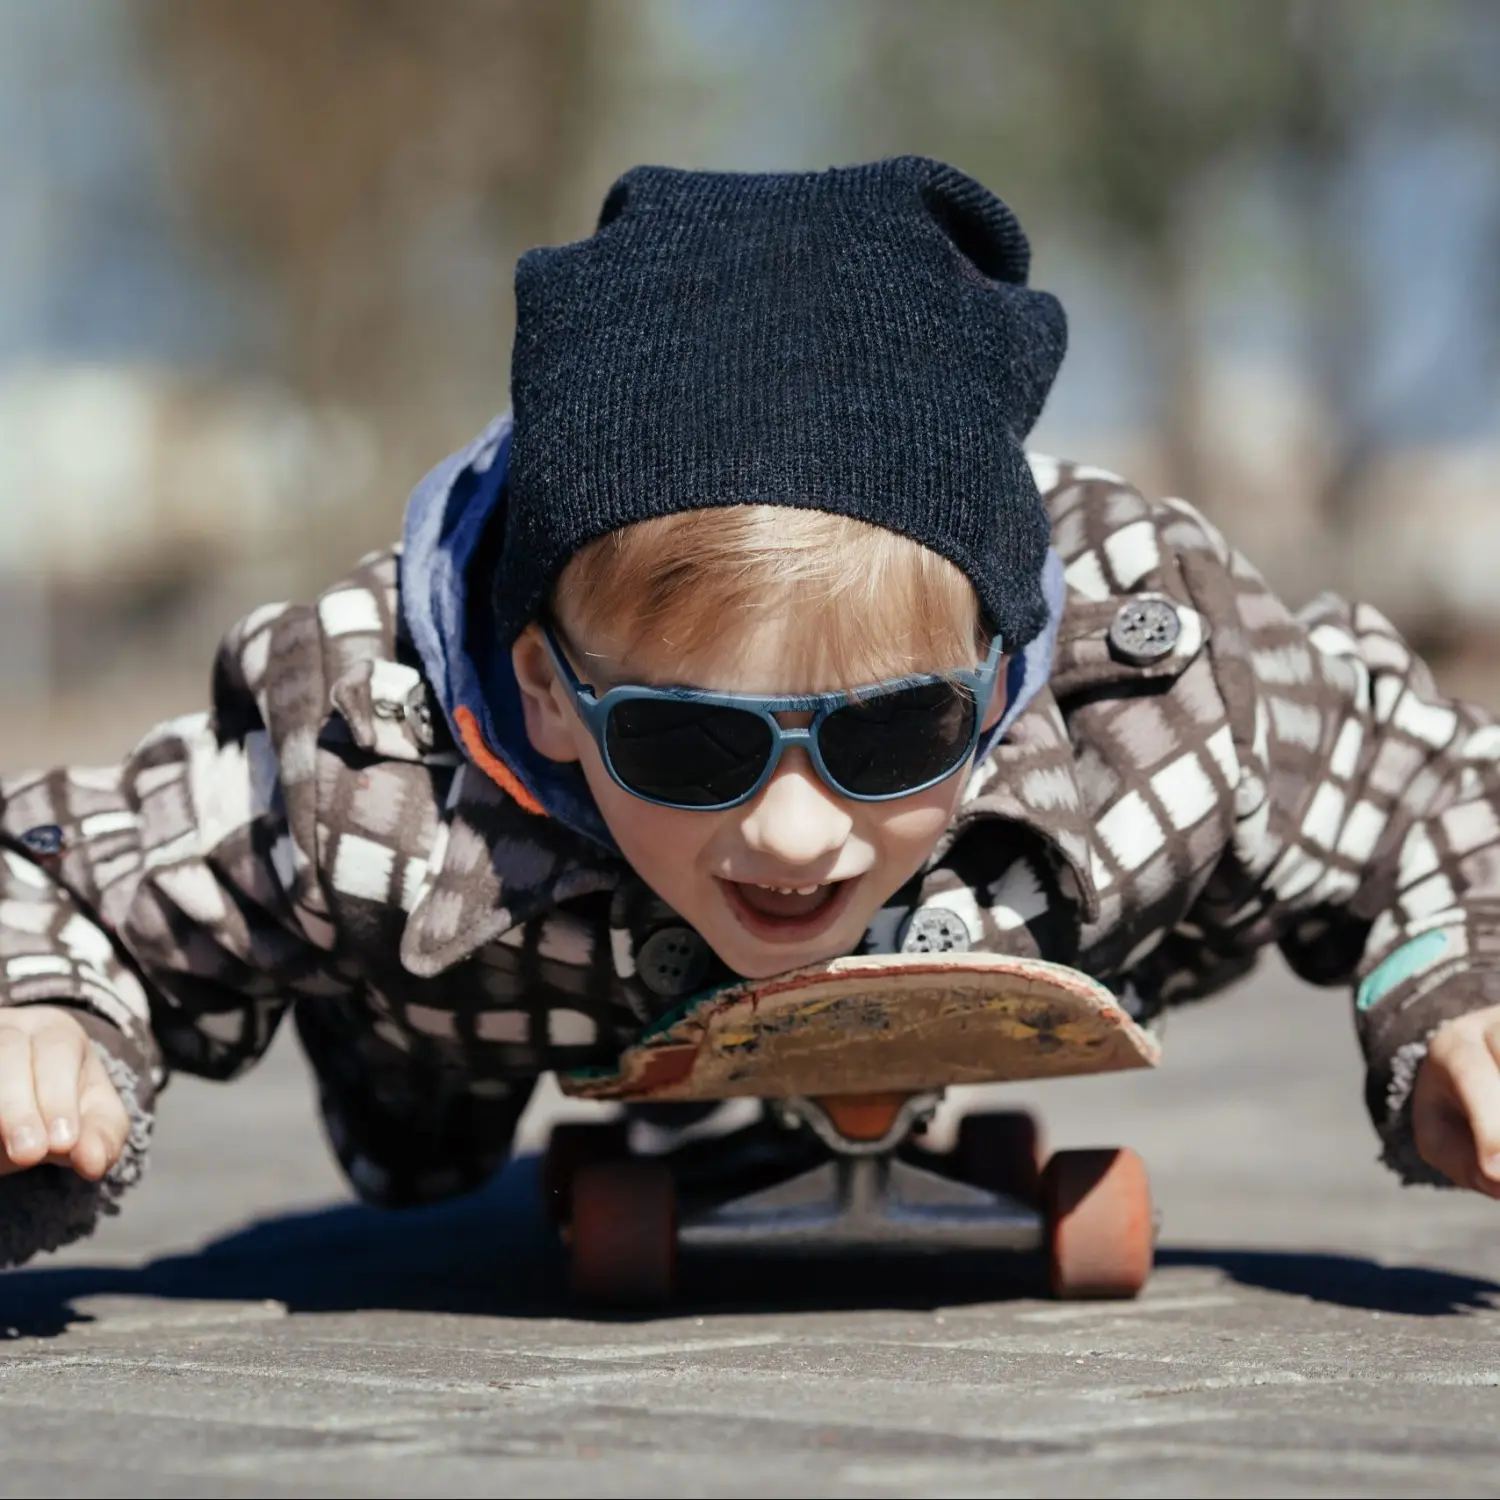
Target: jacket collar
492,868
1030,778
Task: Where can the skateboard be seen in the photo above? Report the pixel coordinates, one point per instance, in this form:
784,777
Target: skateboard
851,1058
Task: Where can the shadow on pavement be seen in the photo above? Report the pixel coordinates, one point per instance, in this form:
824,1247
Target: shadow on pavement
1345,1280
490,1254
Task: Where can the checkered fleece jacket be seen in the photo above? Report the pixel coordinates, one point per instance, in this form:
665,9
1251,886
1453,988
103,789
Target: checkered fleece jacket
316,842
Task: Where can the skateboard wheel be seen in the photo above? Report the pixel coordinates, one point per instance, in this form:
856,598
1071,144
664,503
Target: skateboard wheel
623,1238
1100,1232
1001,1151
575,1144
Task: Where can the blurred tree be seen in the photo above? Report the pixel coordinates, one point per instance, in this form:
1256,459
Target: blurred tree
372,167
1124,118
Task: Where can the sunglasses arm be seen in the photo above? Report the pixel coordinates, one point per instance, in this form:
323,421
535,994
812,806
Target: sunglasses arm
581,694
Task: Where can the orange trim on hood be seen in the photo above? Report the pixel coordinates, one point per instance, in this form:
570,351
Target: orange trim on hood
491,764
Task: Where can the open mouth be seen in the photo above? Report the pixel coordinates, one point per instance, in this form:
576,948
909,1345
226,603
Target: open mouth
787,913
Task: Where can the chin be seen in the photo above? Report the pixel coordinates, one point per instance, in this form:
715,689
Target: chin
755,960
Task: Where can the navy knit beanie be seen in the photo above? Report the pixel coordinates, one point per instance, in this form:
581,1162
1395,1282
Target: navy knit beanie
860,340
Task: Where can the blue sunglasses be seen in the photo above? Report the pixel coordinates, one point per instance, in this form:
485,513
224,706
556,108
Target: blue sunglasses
681,747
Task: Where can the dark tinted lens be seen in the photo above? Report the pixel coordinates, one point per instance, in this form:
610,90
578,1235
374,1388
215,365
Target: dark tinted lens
898,741
690,754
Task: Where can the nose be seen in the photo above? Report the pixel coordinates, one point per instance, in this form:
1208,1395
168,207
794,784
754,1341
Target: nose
795,820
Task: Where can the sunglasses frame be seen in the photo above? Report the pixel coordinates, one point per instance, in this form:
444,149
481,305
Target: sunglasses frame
594,711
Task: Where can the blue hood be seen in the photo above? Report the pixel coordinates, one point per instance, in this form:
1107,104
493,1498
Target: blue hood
447,519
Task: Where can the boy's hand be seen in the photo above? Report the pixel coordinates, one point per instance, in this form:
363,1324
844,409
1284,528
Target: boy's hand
56,1101
1455,1104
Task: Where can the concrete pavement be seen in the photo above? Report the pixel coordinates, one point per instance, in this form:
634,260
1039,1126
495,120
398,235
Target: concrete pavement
243,1328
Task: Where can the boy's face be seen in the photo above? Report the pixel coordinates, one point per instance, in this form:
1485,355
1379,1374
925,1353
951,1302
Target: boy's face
789,878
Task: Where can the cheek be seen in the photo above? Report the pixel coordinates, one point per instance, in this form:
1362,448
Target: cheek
662,844
902,834
912,824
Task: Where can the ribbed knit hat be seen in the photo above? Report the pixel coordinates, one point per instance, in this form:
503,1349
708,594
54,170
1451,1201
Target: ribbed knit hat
860,340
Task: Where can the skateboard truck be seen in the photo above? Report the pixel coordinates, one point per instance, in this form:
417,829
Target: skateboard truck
865,1199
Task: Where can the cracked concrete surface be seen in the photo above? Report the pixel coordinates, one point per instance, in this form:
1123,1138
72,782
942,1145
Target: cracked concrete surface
244,1328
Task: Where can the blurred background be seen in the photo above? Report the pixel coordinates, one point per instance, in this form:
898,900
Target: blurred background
256,259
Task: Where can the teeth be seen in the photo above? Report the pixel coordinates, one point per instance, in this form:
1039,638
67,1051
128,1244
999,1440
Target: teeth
792,890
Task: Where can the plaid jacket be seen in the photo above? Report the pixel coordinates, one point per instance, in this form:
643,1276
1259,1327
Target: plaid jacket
1206,774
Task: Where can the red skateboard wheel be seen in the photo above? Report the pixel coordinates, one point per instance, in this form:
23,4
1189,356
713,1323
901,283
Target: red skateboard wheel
573,1145
623,1234
1100,1230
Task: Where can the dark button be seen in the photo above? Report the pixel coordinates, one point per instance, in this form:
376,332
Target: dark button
45,838
1144,631
935,929
673,962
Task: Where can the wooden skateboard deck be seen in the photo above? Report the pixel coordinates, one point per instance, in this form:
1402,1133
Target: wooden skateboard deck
897,1022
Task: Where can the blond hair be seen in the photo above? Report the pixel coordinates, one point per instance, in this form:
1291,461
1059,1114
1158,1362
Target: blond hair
855,601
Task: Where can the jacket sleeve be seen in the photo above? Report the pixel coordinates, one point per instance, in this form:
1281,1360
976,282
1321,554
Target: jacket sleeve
152,897
1367,821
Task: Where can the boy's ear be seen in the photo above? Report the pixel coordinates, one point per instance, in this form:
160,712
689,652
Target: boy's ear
549,717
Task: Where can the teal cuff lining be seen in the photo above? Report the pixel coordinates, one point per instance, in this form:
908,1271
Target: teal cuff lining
1409,959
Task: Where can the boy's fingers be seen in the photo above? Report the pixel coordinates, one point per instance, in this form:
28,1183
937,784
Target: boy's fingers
93,1156
104,1126
1442,1135
1475,1078
22,1132
57,1054
1444,1141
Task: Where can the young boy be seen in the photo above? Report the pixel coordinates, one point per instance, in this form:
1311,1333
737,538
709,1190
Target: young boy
460,818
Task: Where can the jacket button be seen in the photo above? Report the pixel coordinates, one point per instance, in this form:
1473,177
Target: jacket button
672,962
44,839
1144,631
935,929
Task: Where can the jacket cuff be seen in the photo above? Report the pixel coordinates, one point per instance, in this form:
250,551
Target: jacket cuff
1396,1036
48,1207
